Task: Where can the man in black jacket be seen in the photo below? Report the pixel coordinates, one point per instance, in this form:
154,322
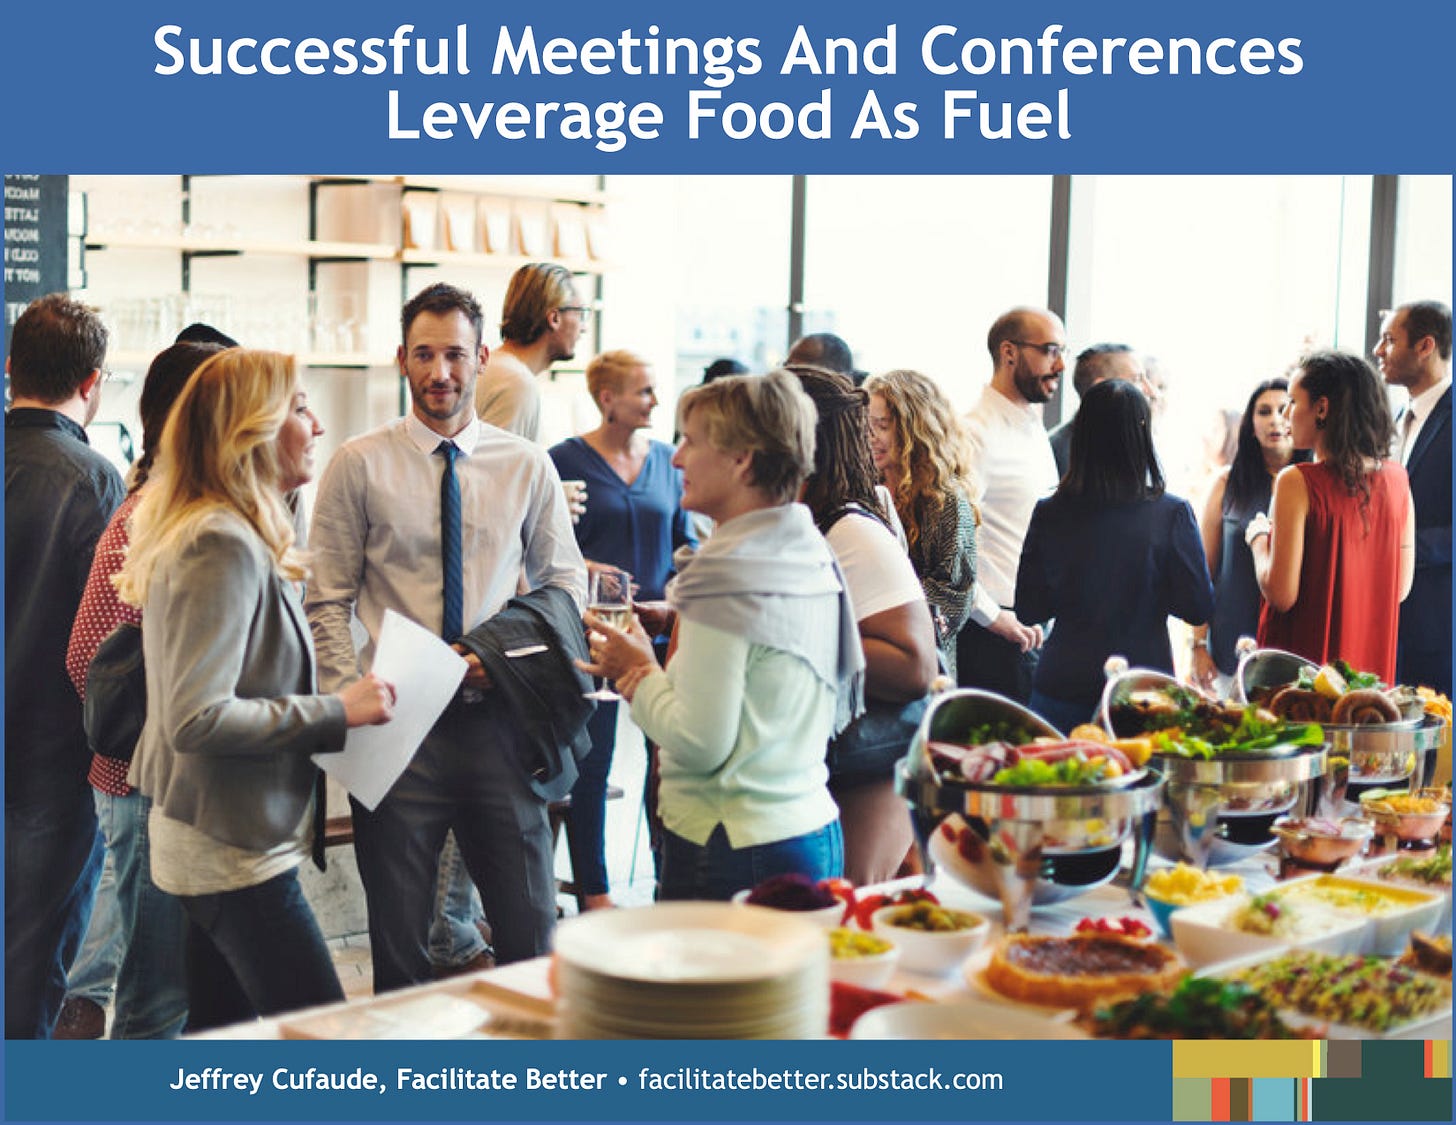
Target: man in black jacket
59,495
1414,352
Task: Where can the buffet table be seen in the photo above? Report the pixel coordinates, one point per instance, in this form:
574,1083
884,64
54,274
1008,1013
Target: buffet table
515,1001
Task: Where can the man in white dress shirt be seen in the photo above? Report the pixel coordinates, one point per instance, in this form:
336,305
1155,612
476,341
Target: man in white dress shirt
377,545
1014,468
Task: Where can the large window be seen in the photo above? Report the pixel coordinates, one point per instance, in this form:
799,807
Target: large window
1423,239
912,270
1226,280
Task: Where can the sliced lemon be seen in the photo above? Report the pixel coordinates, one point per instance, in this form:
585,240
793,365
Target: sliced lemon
1329,683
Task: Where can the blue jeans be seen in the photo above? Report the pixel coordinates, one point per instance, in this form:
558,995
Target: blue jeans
151,978
716,871
586,819
255,952
93,975
1061,713
463,777
53,860
454,936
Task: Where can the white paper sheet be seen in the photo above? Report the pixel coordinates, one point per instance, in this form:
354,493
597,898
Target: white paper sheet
425,672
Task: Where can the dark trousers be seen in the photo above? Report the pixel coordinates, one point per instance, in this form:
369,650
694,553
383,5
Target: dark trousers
53,860
586,820
462,777
255,952
986,661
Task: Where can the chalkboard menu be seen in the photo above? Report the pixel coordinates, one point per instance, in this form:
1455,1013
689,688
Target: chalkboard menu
36,209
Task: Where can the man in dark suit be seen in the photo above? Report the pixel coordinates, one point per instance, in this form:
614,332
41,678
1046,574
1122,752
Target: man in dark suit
1414,352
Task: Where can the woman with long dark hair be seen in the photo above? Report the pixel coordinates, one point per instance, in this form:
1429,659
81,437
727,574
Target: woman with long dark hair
1337,557
1239,493
1110,555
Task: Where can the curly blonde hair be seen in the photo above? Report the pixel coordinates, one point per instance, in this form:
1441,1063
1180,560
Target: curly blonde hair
218,453
935,455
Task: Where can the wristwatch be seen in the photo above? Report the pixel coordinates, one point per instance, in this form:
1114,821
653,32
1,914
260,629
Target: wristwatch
1200,642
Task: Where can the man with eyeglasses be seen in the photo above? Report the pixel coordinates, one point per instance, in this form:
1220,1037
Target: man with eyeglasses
1013,468
542,318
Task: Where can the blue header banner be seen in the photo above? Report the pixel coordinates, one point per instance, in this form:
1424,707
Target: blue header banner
577,1081
924,86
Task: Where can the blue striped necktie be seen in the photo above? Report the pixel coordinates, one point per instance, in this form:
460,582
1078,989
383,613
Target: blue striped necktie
454,596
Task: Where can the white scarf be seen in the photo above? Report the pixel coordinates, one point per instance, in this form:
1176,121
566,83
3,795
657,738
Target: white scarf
759,577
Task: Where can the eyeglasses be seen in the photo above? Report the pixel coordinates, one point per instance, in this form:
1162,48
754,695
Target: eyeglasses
583,311
1051,351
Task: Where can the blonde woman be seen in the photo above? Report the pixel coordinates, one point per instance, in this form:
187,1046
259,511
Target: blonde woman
635,521
920,452
767,663
232,714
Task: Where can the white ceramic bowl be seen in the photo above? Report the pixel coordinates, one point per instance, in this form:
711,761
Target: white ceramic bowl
935,953
1388,931
1371,869
826,917
1204,933
868,972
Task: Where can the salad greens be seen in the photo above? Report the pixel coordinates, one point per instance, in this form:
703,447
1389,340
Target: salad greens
1075,770
1251,734
999,730
1354,681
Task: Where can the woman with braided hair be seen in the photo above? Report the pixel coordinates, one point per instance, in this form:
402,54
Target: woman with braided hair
895,626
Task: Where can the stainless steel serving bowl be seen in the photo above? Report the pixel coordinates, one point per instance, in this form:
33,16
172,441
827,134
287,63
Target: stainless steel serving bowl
1402,752
1220,809
1024,846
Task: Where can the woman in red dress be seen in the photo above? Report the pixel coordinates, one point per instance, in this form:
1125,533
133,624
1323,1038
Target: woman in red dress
1338,557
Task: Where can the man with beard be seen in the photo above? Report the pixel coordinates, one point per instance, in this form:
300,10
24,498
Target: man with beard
1013,469
542,318
1414,352
438,516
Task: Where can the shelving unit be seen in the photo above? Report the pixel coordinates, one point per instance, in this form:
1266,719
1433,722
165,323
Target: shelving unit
354,231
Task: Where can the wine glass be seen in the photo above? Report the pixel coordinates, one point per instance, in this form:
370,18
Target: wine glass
609,596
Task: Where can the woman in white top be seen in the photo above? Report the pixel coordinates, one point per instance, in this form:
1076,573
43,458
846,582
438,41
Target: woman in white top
894,620
232,714
765,651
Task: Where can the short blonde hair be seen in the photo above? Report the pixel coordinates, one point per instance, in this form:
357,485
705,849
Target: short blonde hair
768,416
219,451
609,371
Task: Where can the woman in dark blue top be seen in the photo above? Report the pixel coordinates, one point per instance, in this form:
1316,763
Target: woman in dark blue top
1109,555
1265,446
633,520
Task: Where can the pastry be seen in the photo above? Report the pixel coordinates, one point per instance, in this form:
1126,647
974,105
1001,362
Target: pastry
1081,970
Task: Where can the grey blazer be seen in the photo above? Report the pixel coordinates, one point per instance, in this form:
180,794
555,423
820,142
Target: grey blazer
231,712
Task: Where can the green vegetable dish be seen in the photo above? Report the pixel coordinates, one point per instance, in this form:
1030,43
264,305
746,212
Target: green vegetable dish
1354,681
1373,993
1198,1008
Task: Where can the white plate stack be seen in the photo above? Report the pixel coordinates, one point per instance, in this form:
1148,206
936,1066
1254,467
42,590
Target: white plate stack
692,970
